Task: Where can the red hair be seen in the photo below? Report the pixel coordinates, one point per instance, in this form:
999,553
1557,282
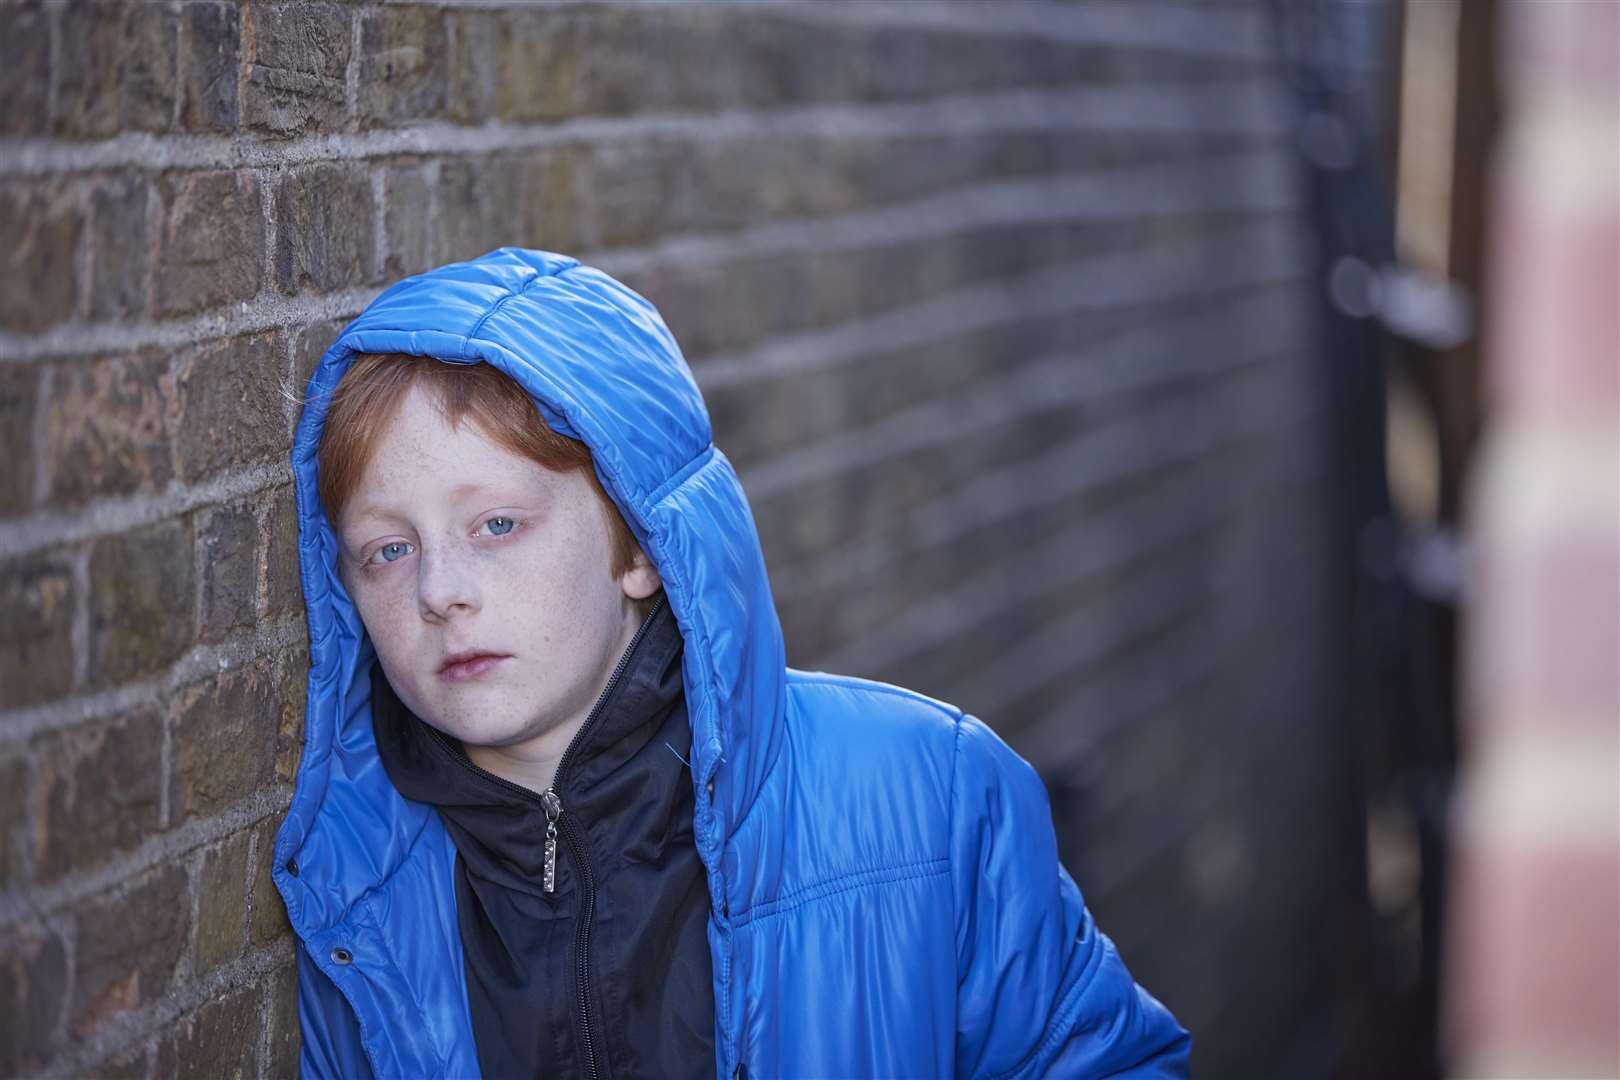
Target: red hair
370,394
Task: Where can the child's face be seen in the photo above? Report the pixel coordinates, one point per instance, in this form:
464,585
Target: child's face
453,546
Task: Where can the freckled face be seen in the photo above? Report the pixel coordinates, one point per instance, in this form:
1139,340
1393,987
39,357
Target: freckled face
485,582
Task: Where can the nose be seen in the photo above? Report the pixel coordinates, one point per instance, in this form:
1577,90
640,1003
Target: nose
445,587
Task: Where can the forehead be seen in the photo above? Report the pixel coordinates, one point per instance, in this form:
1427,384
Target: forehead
418,453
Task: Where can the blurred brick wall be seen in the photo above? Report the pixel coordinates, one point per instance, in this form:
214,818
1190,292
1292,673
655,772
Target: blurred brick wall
1001,310
1535,980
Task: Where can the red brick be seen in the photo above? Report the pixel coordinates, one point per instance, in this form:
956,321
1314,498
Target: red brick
475,41
309,342
281,1016
267,914
128,943
25,80
283,590
294,676
407,221
101,789
109,428
120,246
325,228
228,565
555,208
476,201
222,907
630,185
220,1041
225,740
538,66
231,409
36,630
130,1065
210,52
403,72
295,63
19,400
141,601
116,70
33,988
42,226
14,780
210,241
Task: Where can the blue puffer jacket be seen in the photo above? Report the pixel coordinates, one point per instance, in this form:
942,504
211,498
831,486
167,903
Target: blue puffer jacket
886,895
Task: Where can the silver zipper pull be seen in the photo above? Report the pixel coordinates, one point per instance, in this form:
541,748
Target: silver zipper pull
553,807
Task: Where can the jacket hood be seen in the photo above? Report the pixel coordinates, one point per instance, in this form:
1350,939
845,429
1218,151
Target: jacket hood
601,367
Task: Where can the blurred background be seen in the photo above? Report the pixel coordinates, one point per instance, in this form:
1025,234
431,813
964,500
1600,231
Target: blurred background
1220,398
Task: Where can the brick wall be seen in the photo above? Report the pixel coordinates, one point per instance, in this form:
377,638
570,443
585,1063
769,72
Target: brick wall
1001,309
1535,979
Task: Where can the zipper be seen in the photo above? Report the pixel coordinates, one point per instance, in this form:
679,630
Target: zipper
552,805
587,881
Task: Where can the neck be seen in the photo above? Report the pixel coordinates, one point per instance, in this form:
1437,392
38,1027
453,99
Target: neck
533,764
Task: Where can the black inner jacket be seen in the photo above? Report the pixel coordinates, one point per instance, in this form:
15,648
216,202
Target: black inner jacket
610,974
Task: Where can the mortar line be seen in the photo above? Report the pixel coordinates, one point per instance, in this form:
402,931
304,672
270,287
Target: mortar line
1248,108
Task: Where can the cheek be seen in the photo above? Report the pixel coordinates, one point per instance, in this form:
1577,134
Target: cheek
384,607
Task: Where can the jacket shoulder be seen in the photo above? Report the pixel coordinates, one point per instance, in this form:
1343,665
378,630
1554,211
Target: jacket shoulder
826,698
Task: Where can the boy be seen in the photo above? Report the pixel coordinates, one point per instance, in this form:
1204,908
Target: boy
563,810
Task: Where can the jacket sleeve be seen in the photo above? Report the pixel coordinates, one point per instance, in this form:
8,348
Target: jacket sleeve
331,1033
1040,990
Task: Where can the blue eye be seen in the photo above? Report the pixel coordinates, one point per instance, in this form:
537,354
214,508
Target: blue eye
397,550
500,526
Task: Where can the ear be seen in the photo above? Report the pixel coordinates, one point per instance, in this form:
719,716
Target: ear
641,580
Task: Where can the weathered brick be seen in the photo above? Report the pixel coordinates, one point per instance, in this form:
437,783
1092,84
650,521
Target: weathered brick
108,429
230,405
538,65
220,1041
224,739
407,220
101,791
630,190
295,58
702,65
284,1038
210,51
210,241
42,226
222,909
131,1065
33,993
140,601
325,228
14,781
293,673
19,398
116,69
402,65
228,558
555,215
267,914
25,81
477,198
309,342
120,246
128,943
283,591
474,44
36,631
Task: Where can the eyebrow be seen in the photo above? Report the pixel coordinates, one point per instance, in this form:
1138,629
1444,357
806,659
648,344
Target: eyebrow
373,510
